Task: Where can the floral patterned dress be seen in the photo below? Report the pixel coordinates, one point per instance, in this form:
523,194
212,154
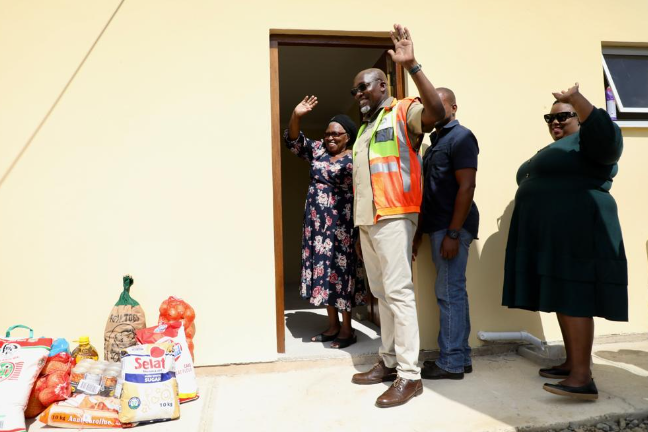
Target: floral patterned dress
331,274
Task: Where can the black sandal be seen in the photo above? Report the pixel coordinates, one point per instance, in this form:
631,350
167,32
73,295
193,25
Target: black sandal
343,343
324,338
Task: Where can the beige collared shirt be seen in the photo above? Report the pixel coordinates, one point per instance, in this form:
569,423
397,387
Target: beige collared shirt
364,209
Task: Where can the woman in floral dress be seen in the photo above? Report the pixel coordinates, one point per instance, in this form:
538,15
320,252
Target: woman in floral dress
329,274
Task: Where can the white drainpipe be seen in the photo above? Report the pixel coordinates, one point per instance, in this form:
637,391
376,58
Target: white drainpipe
511,336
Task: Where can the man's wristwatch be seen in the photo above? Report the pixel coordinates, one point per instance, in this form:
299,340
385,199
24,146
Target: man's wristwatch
415,69
453,234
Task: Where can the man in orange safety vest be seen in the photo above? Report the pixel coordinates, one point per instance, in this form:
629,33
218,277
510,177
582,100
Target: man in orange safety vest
387,188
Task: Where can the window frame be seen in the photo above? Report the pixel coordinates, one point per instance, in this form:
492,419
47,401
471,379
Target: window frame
632,51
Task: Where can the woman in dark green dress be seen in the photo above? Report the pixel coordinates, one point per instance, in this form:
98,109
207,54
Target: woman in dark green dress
565,251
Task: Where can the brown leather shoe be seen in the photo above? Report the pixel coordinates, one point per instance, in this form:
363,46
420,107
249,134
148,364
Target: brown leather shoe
377,374
400,392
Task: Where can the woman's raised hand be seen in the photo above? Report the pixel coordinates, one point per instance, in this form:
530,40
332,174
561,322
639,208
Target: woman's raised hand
575,98
305,106
302,108
566,96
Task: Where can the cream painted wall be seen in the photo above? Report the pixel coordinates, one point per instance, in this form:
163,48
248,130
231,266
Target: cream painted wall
156,160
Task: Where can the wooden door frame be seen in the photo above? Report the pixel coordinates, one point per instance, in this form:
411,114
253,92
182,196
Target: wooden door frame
316,39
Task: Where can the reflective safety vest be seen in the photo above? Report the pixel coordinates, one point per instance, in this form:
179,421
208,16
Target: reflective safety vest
394,165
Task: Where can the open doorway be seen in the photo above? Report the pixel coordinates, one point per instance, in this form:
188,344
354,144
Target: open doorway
323,66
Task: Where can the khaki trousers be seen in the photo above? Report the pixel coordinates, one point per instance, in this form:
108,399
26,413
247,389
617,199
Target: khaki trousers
387,253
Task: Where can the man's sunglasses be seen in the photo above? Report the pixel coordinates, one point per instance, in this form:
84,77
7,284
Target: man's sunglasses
561,116
362,87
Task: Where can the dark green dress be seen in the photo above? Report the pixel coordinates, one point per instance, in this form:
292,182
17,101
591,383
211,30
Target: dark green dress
565,250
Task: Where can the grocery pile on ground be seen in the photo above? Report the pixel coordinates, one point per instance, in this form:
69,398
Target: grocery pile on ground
145,375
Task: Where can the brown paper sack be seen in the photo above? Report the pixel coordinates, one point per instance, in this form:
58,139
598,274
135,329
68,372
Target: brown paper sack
126,317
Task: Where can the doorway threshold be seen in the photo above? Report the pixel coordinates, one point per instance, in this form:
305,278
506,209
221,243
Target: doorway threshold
302,324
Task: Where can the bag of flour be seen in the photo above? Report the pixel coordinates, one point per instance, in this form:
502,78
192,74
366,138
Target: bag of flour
149,390
126,317
21,360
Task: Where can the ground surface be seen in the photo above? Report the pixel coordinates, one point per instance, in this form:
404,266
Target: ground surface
504,393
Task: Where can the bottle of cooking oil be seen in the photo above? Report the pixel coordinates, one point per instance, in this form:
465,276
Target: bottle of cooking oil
84,350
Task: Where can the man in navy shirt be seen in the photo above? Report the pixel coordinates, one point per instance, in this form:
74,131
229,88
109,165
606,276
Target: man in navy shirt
450,217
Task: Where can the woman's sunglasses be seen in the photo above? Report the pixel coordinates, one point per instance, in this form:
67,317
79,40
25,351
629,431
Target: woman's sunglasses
561,116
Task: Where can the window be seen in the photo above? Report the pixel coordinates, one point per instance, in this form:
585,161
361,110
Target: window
626,73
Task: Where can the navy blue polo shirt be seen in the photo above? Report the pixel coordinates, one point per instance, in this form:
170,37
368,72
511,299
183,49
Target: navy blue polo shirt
453,148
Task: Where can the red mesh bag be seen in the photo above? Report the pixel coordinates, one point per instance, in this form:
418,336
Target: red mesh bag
176,309
52,385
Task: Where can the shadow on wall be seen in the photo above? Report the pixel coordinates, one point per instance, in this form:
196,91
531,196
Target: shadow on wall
485,281
635,133
485,276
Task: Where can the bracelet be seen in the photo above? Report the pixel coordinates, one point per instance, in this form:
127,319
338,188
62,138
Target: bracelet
415,69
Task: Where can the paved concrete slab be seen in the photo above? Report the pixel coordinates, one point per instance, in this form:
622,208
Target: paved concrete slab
504,393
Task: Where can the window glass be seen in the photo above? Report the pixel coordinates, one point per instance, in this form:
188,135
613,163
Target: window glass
630,76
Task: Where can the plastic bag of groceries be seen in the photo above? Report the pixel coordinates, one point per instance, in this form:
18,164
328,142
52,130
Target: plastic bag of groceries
83,411
126,317
21,360
185,373
149,390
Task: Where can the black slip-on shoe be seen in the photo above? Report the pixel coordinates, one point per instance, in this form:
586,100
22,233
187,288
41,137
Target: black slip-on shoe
429,363
586,392
434,372
553,373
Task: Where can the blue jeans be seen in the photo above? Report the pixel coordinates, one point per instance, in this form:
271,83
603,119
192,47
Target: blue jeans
452,298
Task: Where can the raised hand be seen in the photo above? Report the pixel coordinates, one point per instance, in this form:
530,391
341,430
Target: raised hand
575,98
566,96
302,108
403,52
305,106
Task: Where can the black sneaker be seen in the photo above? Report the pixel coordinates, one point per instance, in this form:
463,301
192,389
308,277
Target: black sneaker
434,372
